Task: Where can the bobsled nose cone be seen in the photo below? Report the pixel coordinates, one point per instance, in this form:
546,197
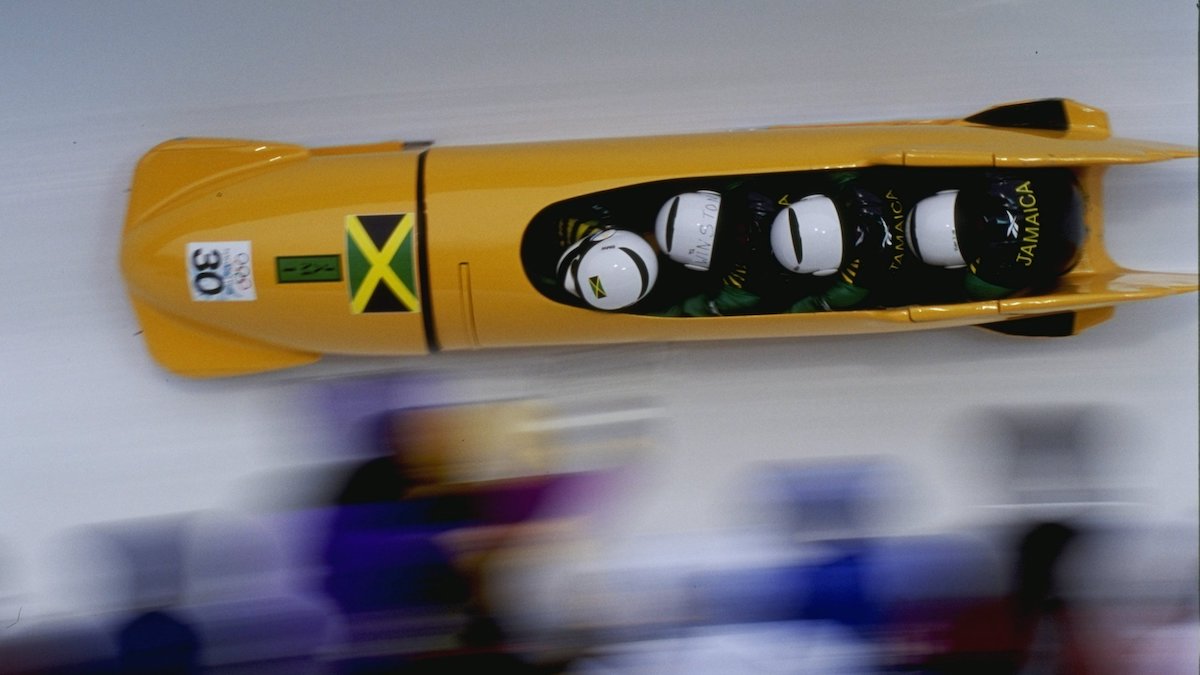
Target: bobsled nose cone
242,256
178,195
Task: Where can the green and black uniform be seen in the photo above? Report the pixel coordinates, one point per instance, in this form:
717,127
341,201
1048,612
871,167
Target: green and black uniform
572,228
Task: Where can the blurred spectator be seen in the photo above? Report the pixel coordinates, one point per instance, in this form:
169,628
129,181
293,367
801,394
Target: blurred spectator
157,642
412,531
126,579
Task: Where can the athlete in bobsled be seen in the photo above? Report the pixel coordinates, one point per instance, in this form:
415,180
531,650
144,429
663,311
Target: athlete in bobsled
608,268
850,237
725,238
1007,232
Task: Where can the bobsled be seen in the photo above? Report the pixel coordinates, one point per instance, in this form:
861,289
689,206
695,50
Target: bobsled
246,256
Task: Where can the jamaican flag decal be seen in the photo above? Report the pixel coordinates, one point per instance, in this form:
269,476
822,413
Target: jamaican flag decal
597,287
380,262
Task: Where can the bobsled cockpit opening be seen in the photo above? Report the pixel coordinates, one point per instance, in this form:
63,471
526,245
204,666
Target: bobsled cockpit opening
735,245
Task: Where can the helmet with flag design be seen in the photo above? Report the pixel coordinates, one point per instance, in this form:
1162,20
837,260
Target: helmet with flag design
609,269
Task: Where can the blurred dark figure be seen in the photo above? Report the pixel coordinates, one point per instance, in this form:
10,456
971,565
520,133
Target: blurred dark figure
404,554
1031,631
127,580
155,639
1041,613
1036,592
383,553
157,642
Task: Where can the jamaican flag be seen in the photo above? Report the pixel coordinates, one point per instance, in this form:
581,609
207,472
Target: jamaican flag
380,260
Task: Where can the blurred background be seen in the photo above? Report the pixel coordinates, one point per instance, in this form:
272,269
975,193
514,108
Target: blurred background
954,501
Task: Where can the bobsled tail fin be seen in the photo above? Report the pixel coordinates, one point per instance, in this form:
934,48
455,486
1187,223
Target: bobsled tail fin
177,166
1047,114
1113,286
1045,133
194,351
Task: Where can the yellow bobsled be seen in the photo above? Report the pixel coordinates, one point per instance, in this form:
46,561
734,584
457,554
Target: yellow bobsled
245,256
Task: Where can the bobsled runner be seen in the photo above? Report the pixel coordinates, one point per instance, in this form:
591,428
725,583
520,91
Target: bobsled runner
246,256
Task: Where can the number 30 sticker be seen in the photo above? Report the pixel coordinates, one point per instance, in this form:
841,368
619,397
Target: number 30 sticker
220,270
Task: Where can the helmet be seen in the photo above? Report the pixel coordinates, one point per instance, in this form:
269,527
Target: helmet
687,226
932,232
806,237
609,269
1017,229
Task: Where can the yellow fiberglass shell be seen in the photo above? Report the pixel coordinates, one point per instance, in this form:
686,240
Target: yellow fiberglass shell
291,211
481,199
245,256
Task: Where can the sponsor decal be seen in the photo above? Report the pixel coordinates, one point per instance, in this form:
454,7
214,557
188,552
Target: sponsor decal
1031,215
220,271
302,269
894,235
380,263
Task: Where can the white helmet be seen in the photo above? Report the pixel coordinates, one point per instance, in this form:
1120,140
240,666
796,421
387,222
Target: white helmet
609,269
806,237
931,231
686,226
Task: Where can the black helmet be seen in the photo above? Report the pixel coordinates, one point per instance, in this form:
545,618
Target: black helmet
1012,229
